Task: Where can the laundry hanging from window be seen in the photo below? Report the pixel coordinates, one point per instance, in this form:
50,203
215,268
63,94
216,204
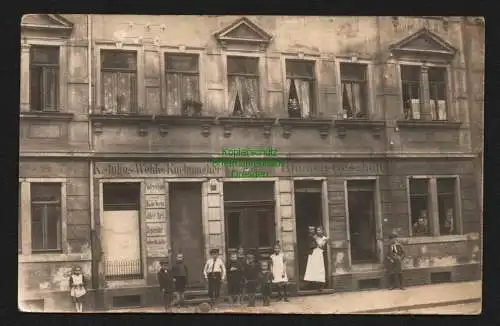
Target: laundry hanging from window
299,88
354,101
243,79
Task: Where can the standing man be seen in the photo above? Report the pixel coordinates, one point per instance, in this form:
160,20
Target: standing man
215,273
166,282
395,257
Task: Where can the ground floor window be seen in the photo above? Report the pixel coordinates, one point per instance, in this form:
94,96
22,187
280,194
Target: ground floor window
121,232
419,204
45,217
446,205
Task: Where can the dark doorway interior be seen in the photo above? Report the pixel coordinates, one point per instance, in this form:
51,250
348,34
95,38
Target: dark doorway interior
186,228
361,202
308,212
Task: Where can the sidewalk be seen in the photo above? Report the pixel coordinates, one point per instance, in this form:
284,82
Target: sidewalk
371,302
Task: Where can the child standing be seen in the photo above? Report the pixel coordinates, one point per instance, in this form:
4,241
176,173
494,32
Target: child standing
251,275
214,272
234,278
165,281
267,279
180,275
279,271
77,285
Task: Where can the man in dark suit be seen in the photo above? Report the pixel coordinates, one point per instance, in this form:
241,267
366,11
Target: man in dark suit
395,256
166,282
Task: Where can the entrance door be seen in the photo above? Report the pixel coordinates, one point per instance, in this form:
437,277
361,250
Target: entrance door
186,228
361,202
251,226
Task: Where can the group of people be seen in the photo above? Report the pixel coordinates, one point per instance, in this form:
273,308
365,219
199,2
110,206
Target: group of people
244,275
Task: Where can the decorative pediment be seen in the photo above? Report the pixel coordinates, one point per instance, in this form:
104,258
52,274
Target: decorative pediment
46,22
424,43
243,30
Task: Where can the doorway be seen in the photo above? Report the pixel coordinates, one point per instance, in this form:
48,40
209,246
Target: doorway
308,212
362,227
186,229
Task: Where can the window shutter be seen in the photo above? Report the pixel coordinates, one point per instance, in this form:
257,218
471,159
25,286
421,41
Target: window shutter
328,106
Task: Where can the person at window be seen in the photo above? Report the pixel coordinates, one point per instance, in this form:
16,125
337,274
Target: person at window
251,273
215,273
234,278
293,108
266,281
77,285
421,225
448,223
315,269
180,276
395,256
166,282
278,265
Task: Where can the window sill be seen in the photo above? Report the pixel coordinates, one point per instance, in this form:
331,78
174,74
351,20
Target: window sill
376,126
63,116
323,125
428,124
55,257
437,239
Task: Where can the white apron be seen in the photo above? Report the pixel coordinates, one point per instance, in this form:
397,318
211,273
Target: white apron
77,290
315,269
279,268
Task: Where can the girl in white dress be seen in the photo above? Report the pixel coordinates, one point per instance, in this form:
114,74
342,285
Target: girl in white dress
315,270
278,268
77,288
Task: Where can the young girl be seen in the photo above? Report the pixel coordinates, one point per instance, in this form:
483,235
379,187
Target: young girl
266,281
234,278
315,270
77,285
278,268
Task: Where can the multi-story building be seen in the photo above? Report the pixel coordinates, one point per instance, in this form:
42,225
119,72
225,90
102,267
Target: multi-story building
369,122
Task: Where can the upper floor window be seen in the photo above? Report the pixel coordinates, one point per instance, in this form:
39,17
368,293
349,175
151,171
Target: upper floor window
354,90
119,76
300,81
45,217
182,79
243,82
414,80
44,78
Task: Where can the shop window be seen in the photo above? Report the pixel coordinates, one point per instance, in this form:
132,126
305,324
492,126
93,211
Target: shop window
264,229
243,82
45,217
419,203
446,205
119,81
437,92
44,78
233,227
412,99
354,90
300,83
182,79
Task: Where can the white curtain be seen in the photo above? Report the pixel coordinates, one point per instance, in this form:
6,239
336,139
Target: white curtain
288,85
348,92
304,96
235,92
356,97
434,114
251,88
119,91
415,108
442,110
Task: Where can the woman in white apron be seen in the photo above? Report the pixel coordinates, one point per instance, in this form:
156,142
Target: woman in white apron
315,270
278,269
77,286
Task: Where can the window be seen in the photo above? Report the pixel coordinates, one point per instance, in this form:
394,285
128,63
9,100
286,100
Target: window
412,100
233,230
437,93
264,229
419,203
446,205
119,81
354,90
182,76
45,217
44,78
300,83
243,81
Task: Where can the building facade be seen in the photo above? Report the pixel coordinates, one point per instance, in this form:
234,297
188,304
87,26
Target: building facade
125,119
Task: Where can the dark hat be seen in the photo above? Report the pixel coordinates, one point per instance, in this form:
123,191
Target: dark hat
393,236
214,251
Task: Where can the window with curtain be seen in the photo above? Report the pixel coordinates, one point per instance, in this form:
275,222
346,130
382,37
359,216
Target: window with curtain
412,99
45,217
437,92
243,81
119,81
44,78
300,83
354,90
182,79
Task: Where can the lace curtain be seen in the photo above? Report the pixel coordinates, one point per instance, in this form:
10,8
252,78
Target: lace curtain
181,87
303,93
351,102
246,90
119,92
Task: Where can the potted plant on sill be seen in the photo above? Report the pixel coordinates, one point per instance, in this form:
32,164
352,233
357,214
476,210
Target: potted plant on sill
191,108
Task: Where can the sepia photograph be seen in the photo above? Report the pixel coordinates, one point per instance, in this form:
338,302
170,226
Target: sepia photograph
272,164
